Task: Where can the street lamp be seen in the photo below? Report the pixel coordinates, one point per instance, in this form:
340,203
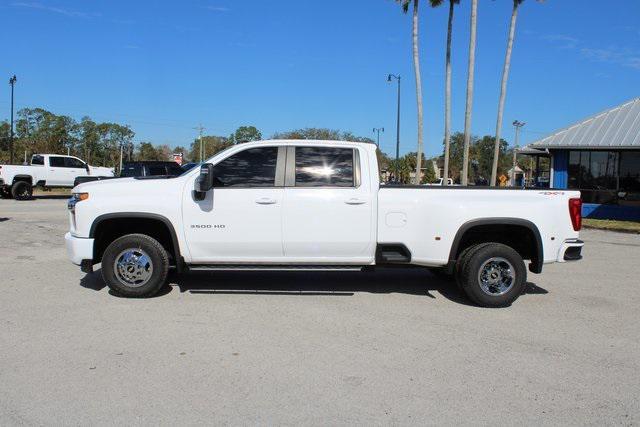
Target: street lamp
12,82
517,125
389,79
377,131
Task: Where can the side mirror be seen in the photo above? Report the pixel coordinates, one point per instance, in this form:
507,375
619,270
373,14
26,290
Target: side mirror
86,166
204,182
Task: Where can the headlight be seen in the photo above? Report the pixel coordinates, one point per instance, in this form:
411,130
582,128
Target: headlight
77,197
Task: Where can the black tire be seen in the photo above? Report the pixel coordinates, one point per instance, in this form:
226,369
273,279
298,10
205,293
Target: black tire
21,190
462,261
5,193
494,259
151,273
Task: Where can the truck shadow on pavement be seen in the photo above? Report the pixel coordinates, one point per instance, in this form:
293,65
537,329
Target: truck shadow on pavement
411,281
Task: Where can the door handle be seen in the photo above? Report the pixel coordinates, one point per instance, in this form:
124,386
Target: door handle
266,201
354,201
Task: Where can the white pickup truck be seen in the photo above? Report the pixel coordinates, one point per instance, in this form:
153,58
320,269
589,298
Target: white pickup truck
46,171
315,205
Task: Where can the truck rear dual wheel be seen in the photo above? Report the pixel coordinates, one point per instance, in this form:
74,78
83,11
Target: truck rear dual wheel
492,274
135,266
22,190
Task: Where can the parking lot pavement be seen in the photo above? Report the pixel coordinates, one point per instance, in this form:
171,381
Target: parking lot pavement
387,347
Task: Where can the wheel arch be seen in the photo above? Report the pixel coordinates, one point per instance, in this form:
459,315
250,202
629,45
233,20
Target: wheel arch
151,220
532,250
23,178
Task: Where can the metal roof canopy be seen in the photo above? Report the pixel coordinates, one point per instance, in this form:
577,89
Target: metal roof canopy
528,150
618,128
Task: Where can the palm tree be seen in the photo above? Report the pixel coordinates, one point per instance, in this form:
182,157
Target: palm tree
447,87
416,66
503,89
469,105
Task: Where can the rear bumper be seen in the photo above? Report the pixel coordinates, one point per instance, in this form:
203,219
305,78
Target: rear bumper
571,250
79,249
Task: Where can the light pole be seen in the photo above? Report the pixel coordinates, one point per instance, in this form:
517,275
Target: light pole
377,131
200,129
517,125
12,82
389,78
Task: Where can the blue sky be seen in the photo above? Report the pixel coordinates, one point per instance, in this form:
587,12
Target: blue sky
164,67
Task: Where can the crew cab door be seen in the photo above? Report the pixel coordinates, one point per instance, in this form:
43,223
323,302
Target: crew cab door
56,174
239,220
329,207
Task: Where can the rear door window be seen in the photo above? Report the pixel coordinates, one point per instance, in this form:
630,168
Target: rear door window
37,160
324,167
56,162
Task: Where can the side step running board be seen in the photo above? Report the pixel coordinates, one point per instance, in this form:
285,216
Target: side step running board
271,267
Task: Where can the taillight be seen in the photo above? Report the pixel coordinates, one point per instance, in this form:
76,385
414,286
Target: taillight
575,212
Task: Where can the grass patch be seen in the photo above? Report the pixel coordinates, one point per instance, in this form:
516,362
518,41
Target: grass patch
52,192
613,225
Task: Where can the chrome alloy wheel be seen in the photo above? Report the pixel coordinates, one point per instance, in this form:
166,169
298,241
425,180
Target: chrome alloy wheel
496,276
133,267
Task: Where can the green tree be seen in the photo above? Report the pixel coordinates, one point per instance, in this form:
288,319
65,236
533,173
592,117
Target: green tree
321,134
211,145
43,131
246,134
416,68
146,151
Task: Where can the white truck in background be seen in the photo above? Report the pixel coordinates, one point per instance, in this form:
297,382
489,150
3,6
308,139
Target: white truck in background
45,171
316,205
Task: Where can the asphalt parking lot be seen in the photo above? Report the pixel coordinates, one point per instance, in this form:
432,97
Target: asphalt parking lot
389,347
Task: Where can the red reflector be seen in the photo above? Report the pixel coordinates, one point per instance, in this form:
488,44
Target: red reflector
575,212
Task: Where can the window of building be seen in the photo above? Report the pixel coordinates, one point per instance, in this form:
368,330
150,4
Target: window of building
593,170
630,176
255,167
324,167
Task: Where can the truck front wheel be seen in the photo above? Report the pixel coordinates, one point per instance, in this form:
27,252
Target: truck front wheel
21,190
135,265
493,275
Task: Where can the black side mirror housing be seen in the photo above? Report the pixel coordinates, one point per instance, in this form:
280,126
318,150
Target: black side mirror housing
204,182
86,166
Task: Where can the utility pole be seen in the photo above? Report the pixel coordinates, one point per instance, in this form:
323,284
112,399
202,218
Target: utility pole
517,125
389,77
12,82
200,129
377,131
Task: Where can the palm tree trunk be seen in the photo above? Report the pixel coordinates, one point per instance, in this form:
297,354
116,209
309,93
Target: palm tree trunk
503,92
416,67
470,76
447,97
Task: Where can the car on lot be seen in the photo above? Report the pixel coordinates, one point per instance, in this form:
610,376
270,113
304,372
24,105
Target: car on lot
316,205
45,171
139,169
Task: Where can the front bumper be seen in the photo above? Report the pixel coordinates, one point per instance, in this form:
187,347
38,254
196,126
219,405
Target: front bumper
571,250
79,249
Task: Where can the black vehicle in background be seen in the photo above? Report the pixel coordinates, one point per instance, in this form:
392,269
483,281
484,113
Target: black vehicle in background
138,170
188,166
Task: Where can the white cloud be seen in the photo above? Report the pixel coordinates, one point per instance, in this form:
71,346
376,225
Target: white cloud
53,9
217,8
